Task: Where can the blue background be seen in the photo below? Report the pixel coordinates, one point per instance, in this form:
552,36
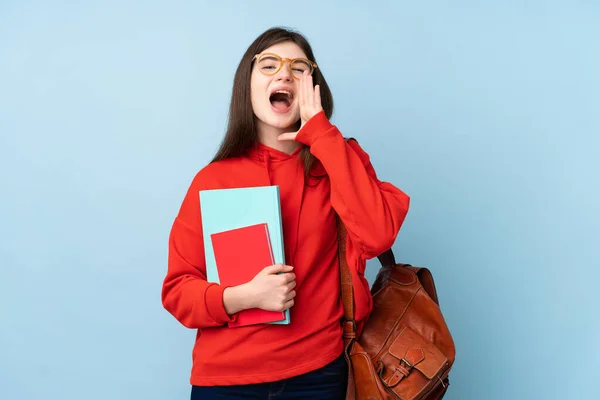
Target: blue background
486,113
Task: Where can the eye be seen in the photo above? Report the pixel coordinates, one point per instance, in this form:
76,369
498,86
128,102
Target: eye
268,63
300,66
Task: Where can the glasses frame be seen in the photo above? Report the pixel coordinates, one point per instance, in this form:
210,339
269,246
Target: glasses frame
282,61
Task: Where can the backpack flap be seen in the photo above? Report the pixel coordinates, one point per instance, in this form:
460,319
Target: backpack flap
413,351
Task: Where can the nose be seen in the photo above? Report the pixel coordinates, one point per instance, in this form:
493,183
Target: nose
285,73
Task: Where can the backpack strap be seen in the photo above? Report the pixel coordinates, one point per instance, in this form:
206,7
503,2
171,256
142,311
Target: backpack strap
386,259
346,286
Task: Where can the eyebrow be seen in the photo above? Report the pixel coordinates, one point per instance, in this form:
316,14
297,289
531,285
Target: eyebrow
269,57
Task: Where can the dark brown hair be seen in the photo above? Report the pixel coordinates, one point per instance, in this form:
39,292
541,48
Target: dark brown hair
241,132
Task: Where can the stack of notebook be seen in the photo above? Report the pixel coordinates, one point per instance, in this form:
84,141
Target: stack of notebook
242,235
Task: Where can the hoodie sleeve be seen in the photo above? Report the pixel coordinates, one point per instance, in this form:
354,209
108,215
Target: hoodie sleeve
372,211
186,294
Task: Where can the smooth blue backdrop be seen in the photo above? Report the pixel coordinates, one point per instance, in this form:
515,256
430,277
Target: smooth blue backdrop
486,113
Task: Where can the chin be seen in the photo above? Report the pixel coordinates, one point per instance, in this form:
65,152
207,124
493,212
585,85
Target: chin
282,124
281,121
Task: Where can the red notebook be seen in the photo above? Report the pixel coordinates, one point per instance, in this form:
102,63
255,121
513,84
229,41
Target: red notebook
240,254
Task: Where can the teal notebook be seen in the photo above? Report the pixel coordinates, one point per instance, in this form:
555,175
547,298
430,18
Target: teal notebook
226,209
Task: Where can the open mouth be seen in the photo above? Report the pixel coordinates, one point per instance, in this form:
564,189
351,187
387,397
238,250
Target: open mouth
281,100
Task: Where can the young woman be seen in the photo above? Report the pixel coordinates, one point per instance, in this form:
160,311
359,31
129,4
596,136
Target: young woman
279,133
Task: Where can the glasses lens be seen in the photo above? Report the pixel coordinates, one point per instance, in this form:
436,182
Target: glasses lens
268,64
299,66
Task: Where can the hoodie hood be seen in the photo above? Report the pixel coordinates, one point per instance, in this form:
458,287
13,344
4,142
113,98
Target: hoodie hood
268,156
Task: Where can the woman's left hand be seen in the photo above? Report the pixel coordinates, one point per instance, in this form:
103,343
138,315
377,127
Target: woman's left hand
309,100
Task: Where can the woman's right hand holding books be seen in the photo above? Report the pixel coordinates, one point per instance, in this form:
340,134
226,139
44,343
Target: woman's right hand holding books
272,289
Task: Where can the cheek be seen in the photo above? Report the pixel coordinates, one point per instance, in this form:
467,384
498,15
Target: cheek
256,100
253,90
258,87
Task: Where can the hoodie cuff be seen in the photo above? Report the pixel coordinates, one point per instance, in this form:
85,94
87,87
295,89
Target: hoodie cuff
314,128
213,298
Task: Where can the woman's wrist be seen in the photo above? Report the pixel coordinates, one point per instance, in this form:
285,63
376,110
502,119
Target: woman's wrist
236,299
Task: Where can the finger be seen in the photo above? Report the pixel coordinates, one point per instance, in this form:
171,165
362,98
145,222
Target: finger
271,269
290,295
301,91
308,90
285,279
288,304
287,136
318,96
291,285
274,269
311,91
288,277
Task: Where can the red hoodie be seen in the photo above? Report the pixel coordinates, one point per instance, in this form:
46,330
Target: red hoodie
372,212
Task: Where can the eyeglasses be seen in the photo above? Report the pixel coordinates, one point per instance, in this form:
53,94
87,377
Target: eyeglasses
270,64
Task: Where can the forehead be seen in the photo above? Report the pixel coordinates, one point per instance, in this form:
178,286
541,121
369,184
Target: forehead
286,50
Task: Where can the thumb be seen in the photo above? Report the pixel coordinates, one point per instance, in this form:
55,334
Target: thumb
277,268
287,136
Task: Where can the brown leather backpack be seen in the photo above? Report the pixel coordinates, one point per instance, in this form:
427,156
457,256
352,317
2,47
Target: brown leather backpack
405,350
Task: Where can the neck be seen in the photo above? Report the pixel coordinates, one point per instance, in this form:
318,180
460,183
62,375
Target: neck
268,135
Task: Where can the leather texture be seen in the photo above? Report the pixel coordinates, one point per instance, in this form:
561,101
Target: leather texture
405,350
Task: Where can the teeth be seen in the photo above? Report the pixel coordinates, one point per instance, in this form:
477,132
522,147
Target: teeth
284,92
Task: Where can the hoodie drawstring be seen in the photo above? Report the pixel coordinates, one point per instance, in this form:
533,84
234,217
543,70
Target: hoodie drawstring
268,166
